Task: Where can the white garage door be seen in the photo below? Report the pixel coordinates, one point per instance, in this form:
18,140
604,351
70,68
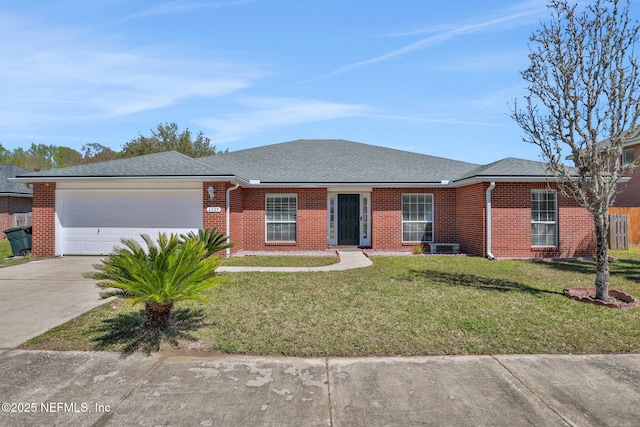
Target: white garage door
91,221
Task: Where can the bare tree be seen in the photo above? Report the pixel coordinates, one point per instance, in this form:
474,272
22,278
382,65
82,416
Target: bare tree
582,103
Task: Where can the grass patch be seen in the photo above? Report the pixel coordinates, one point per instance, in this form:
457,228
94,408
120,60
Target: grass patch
6,255
401,306
279,261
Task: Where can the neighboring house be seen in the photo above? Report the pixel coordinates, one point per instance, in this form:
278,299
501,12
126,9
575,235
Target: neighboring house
629,192
310,195
14,197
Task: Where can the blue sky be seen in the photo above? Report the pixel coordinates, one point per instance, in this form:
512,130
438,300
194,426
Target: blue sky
428,76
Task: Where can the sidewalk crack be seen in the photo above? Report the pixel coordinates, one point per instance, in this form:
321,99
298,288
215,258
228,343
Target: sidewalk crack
104,419
533,392
329,398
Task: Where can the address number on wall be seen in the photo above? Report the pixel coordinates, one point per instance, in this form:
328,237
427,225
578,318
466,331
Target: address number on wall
215,209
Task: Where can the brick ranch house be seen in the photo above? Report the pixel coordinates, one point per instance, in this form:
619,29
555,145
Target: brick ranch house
15,198
310,195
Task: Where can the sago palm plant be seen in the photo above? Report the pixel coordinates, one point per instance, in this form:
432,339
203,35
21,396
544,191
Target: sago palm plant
215,241
167,271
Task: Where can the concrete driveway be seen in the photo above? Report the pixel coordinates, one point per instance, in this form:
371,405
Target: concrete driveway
36,296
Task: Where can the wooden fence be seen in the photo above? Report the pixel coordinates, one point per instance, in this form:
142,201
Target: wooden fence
632,223
618,231
21,219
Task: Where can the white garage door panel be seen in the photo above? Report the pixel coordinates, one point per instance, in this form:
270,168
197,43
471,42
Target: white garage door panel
100,241
152,209
94,221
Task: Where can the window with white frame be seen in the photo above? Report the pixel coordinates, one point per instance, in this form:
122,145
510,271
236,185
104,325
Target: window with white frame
281,217
544,214
417,217
627,156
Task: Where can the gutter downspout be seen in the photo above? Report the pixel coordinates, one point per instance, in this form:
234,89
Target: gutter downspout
228,214
492,185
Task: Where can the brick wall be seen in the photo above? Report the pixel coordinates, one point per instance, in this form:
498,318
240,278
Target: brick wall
219,219
629,193
312,219
386,217
471,214
44,224
236,219
511,225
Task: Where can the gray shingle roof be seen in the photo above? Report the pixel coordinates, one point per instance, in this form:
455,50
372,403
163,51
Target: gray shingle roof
304,162
6,186
509,167
336,161
167,163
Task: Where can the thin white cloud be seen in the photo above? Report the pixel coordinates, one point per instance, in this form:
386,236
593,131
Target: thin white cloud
488,62
445,33
175,7
430,41
274,113
484,122
67,78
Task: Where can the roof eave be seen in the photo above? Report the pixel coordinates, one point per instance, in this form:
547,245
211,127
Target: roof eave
34,179
10,194
351,184
503,178
512,178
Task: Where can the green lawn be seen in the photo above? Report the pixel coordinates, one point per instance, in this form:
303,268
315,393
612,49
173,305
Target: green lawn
407,306
279,261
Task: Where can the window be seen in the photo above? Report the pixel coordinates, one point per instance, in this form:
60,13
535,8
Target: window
281,217
417,217
332,218
627,156
365,217
543,218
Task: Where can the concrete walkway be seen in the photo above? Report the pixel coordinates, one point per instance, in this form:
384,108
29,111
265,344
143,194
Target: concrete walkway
107,389
349,259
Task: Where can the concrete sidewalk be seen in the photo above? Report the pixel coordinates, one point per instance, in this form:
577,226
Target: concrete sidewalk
181,389
349,259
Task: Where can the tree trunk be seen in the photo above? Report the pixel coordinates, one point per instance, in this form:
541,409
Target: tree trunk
157,315
602,257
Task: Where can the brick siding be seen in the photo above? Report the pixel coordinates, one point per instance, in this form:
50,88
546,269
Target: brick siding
459,217
511,225
471,214
219,219
311,219
629,193
386,217
44,219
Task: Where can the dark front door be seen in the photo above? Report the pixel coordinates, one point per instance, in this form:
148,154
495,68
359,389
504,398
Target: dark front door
348,219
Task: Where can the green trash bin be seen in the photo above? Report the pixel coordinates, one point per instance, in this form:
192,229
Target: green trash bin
20,240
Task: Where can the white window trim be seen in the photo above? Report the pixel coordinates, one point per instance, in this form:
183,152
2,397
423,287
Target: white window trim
433,233
267,222
555,221
624,153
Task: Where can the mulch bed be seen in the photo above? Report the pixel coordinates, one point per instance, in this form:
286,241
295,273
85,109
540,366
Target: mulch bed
617,299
